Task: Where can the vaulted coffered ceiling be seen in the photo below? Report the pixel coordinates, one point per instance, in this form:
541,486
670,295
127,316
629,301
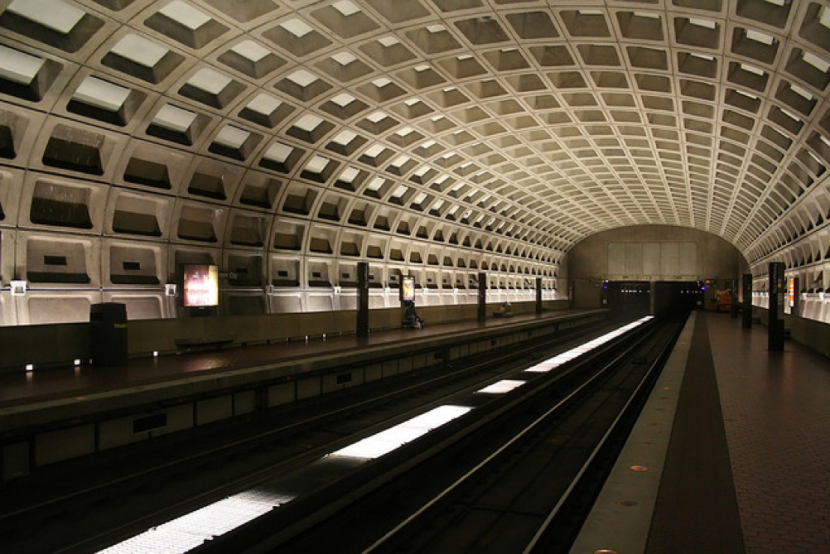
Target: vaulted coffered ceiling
531,124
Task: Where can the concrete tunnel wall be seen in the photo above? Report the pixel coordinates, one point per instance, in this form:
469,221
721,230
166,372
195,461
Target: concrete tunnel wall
649,253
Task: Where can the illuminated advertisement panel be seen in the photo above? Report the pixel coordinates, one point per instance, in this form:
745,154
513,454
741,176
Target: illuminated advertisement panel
201,286
791,291
408,288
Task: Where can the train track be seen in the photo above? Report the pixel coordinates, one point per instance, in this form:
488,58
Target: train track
87,509
515,475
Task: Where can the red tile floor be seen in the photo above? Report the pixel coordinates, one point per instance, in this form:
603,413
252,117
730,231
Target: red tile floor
776,410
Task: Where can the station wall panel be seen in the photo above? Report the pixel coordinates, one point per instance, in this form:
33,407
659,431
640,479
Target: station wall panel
64,444
309,387
244,402
59,307
284,393
139,305
285,303
214,409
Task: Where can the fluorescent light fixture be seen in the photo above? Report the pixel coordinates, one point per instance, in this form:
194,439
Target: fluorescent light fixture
502,387
559,359
191,530
18,66
390,439
53,14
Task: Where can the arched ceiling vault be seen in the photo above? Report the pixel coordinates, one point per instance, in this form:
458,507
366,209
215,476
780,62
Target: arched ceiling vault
536,122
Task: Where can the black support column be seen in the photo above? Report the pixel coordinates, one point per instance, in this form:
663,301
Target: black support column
482,296
538,296
746,309
362,299
777,293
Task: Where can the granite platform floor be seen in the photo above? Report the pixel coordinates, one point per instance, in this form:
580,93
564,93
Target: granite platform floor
748,466
776,412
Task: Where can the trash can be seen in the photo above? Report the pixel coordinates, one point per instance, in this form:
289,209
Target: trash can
108,334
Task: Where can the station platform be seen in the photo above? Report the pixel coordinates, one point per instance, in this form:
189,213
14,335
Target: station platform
54,415
730,454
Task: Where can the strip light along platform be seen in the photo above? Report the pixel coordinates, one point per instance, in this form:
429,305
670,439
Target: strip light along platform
189,531
559,359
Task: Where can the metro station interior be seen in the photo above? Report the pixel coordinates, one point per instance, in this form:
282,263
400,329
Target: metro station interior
225,170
